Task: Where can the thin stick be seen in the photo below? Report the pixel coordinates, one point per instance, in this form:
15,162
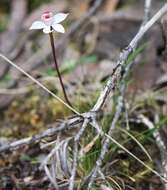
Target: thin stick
69,124
57,68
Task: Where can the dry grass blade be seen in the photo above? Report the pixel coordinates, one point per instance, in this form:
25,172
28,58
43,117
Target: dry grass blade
63,156
104,178
38,83
140,161
53,181
160,143
140,145
115,182
52,177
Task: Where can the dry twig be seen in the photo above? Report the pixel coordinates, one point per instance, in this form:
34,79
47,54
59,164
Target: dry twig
147,11
159,142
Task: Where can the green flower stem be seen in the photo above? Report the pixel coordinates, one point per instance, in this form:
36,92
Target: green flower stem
57,68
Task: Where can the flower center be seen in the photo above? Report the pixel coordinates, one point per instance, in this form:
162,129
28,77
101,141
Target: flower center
47,17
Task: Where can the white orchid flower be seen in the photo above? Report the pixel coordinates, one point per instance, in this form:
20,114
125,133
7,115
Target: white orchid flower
50,22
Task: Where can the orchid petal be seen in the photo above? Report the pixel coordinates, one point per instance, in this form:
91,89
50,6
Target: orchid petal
37,25
47,30
58,28
59,17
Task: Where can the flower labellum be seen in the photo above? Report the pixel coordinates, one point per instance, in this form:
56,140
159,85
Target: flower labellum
50,22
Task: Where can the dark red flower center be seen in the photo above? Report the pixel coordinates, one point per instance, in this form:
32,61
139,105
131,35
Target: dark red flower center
47,16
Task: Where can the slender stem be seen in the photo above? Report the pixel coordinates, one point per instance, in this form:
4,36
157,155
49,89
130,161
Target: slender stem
57,68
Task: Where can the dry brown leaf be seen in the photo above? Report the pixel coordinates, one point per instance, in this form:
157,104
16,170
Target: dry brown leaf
89,146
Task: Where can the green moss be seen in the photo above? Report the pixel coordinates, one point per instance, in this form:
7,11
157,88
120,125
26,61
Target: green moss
35,111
